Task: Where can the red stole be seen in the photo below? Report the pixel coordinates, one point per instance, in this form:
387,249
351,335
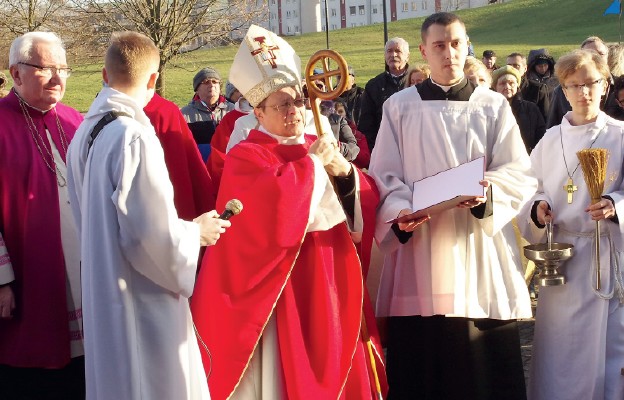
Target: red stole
38,335
193,192
266,262
218,145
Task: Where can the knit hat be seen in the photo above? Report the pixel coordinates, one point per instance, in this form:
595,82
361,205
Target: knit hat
229,89
204,74
264,64
506,70
489,54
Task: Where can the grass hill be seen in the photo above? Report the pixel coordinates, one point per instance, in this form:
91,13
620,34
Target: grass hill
516,25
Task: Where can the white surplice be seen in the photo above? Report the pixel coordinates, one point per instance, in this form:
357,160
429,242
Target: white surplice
578,345
455,264
138,262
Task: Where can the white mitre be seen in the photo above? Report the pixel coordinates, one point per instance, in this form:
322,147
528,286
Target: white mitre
264,64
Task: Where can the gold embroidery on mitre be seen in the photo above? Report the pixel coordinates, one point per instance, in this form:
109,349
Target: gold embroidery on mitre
269,85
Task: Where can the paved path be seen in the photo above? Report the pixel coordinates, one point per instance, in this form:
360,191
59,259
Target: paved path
526,341
526,345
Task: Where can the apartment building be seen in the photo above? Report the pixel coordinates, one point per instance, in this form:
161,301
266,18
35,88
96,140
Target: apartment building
294,17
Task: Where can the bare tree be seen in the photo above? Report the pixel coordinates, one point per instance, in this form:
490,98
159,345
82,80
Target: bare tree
79,30
19,17
175,26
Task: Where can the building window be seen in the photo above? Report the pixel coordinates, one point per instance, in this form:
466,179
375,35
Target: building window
374,9
287,14
296,28
334,26
352,10
353,24
333,13
272,1
361,10
288,29
424,4
405,7
294,13
414,6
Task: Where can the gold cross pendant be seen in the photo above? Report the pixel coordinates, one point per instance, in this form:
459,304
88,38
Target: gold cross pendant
570,188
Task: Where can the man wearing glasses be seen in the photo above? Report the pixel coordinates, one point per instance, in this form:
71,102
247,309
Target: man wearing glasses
41,345
279,300
206,109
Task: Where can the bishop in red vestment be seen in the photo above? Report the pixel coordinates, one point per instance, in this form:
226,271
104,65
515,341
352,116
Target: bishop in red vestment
286,278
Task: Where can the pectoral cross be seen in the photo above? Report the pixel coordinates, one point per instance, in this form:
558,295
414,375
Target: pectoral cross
570,188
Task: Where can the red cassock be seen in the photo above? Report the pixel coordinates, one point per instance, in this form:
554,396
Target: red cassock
266,264
193,191
218,145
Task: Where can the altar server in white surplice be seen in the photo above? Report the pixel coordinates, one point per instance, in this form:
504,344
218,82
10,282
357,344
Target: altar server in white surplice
578,348
139,260
452,286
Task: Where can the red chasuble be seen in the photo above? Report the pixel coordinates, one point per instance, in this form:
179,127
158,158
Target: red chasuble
38,334
266,264
218,145
193,192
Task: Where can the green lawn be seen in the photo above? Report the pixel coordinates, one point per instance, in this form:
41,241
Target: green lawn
516,25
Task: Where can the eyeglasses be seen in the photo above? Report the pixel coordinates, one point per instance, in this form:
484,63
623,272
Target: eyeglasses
212,82
588,85
284,107
63,72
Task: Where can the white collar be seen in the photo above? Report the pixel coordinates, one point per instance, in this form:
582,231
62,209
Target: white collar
446,88
289,141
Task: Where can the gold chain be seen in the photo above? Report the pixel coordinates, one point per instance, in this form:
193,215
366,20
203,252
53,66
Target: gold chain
60,179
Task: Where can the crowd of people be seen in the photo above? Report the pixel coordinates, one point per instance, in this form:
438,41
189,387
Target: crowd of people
119,279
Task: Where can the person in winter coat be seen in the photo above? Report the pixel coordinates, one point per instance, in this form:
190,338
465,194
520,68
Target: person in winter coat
506,81
541,68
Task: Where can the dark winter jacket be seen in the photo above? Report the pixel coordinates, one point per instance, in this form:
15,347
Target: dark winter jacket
203,120
537,93
530,121
352,99
549,77
376,92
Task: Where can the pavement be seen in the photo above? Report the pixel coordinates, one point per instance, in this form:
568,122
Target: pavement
525,327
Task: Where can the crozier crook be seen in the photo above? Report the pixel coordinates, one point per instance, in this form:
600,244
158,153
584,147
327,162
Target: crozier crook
314,92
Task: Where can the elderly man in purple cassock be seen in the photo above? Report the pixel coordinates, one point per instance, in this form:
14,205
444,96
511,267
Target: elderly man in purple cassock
41,350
